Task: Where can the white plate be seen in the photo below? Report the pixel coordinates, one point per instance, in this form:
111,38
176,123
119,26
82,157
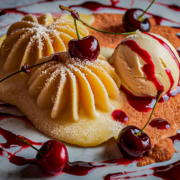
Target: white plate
107,150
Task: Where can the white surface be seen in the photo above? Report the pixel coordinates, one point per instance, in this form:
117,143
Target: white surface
106,151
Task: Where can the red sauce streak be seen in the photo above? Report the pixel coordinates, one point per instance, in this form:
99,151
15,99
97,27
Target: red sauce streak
178,52
168,172
170,6
5,26
174,57
141,104
119,174
113,176
159,19
119,115
168,72
84,168
132,3
122,161
17,160
148,68
163,43
173,93
16,10
11,140
159,124
96,6
23,118
81,168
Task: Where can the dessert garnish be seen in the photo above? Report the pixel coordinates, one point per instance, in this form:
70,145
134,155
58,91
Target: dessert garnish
88,47
52,157
85,48
75,15
134,142
26,69
134,19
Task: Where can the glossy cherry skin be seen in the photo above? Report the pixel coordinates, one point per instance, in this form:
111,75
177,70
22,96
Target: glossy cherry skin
133,146
131,23
85,48
52,157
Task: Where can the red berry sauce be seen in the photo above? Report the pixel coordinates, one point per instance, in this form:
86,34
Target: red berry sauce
96,6
74,168
81,168
148,68
119,115
167,172
141,104
175,138
11,140
159,124
122,161
6,115
17,160
170,6
163,43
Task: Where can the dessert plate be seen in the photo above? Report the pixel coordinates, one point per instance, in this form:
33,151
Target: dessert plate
12,121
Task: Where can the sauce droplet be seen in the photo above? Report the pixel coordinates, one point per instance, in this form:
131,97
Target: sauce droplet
175,138
119,115
159,124
141,104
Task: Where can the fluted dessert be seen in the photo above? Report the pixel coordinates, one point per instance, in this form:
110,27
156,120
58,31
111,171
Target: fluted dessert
72,85
71,100
33,38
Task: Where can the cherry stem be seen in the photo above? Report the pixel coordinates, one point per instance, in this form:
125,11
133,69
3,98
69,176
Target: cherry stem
141,16
10,76
75,15
157,99
75,23
27,68
133,32
22,139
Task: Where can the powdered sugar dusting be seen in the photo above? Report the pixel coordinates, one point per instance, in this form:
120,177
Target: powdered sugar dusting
43,31
74,72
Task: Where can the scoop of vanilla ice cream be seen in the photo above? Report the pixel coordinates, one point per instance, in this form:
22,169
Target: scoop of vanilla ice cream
146,63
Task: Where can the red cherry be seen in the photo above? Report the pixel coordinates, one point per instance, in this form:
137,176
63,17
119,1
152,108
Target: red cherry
85,48
52,157
131,23
132,145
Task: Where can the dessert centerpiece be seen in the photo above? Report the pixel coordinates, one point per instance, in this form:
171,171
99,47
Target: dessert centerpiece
72,93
